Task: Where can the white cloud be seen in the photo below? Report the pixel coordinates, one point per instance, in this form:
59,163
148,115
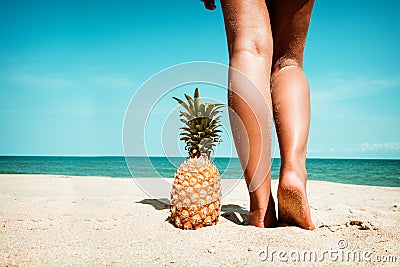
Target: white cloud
380,147
333,90
112,82
43,81
52,81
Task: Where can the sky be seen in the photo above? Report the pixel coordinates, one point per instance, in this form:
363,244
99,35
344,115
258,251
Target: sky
69,69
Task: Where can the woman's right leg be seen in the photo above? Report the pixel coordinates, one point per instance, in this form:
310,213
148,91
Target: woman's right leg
250,50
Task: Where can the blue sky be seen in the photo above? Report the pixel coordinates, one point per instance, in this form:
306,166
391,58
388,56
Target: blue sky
68,70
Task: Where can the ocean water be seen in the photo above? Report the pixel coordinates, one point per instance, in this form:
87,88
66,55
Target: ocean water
350,171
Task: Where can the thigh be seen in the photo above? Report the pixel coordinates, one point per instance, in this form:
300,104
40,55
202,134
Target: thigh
289,23
247,25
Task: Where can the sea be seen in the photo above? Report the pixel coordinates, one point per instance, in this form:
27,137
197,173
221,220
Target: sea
376,172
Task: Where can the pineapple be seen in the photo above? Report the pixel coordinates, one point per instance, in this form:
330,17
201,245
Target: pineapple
196,191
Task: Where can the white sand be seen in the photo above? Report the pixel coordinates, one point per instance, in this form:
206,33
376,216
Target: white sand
49,220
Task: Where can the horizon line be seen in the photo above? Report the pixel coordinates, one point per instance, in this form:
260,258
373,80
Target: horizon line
158,156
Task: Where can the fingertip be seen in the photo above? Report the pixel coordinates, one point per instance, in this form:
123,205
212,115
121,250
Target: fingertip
211,7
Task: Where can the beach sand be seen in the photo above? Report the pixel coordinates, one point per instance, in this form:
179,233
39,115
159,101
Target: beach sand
49,220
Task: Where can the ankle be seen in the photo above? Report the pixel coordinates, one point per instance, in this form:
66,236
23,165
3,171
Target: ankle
295,167
257,217
293,175
258,202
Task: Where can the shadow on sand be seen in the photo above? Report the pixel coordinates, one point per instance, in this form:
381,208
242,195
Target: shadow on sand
231,212
158,204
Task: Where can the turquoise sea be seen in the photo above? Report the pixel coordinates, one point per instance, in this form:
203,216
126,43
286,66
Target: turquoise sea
376,172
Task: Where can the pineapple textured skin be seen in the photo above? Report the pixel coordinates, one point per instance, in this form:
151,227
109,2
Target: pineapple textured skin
196,194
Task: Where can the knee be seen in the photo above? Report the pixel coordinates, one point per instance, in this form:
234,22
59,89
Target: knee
256,46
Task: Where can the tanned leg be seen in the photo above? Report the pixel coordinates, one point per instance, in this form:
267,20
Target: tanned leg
249,40
291,103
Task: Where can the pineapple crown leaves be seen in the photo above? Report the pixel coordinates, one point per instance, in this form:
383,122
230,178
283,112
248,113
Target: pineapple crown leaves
201,121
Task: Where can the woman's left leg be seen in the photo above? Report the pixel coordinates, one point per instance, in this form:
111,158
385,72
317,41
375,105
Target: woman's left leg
250,50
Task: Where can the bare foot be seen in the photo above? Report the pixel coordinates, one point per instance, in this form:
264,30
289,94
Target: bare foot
257,218
293,206
264,218
270,215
